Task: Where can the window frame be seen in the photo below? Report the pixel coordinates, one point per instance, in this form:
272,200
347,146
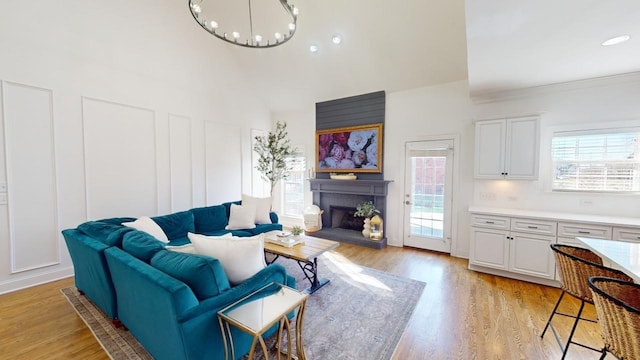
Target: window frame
298,153
602,132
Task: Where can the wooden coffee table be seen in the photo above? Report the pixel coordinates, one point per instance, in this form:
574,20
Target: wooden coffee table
306,254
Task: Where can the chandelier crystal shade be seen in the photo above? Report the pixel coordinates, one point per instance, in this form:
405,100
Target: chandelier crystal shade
259,24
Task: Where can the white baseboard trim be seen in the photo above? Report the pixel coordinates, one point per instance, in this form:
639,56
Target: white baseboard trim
33,280
522,277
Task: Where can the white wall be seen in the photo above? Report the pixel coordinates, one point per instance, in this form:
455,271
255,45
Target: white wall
421,114
597,103
132,109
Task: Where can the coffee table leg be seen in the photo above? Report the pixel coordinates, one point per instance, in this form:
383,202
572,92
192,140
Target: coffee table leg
310,270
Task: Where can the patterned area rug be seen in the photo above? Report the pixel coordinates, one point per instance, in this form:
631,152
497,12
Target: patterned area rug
360,314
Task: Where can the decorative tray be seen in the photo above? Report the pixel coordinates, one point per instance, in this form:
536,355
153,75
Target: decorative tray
285,241
349,176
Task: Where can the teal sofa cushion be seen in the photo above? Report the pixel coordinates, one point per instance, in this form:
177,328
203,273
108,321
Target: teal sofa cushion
141,245
203,274
179,241
176,225
262,228
108,233
117,220
210,218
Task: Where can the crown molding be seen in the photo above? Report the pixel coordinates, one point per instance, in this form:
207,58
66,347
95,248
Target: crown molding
569,86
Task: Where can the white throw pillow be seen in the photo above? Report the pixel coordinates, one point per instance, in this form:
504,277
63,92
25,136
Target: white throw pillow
263,207
241,257
146,224
187,249
241,217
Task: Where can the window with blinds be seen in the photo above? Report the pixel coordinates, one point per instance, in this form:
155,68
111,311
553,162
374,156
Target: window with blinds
293,186
605,161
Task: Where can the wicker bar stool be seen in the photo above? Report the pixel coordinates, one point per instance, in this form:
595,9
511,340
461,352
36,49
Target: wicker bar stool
618,306
575,266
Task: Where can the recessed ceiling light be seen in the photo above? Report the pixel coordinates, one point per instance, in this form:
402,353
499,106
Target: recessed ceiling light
616,40
336,39
313,48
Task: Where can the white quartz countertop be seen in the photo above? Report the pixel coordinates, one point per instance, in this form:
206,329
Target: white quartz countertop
624,255
558,216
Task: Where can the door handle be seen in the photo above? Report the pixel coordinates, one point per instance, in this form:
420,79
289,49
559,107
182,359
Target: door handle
407,202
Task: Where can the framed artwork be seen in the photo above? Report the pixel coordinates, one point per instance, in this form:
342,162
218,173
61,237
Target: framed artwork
350,149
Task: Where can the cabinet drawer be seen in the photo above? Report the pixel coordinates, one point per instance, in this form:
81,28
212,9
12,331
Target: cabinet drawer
490,221
566,229
534,226
626,234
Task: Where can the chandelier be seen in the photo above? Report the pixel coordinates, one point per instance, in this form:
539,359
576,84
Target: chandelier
265,24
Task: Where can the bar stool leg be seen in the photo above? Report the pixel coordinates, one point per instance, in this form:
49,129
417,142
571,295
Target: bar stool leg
573,329
552,314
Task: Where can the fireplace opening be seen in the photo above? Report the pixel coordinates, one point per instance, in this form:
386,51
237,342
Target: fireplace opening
342,217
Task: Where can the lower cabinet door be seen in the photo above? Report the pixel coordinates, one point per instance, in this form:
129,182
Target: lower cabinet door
489,248
532,255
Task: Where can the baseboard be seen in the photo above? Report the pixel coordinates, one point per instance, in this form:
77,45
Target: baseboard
24,282
522,277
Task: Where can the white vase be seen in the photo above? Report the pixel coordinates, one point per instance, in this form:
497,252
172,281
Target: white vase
366,228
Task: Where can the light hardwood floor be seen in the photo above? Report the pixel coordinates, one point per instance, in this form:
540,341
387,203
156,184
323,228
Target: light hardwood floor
461,315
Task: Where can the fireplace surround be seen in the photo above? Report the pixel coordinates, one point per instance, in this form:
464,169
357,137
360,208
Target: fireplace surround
347,194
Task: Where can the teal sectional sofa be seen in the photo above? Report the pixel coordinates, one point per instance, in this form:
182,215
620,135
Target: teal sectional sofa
168,300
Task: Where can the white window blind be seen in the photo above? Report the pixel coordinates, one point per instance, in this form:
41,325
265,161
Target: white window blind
293,186
596,161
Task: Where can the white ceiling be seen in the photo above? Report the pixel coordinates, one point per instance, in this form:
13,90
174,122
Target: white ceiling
519,44
403,44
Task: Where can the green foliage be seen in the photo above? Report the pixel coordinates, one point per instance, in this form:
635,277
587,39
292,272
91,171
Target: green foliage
273,151
296,230
365,209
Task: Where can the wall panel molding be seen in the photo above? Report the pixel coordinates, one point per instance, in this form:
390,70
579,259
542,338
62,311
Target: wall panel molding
259,187
223,163
181,162
32,193
121,159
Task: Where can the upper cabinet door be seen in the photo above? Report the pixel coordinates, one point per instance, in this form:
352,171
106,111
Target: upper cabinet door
523,148
507,149
490,149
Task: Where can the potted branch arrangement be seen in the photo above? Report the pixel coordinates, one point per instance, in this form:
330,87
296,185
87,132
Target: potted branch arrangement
366,210
273,150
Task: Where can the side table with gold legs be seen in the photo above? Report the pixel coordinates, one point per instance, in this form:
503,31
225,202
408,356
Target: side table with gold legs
258,312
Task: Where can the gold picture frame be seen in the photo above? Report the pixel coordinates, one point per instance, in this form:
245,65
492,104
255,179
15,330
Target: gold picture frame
353,149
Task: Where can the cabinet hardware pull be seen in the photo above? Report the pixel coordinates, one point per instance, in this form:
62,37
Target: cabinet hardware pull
489,222
532,227
583,232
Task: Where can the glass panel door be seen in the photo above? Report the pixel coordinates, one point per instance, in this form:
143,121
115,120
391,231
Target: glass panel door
428,178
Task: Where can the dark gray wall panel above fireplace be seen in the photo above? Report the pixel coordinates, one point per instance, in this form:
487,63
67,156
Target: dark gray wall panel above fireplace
352,111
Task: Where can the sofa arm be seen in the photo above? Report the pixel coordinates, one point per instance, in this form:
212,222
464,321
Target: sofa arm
91,273
274,217
200,324
272,273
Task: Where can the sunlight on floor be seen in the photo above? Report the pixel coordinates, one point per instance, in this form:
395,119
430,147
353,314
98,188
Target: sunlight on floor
354,271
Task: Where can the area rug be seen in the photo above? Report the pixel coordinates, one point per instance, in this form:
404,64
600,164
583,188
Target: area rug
360,314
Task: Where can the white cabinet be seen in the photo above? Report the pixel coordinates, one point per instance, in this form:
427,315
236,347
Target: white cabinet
575,229
626,234
523,247
507,148
531,255
490,248
516,243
